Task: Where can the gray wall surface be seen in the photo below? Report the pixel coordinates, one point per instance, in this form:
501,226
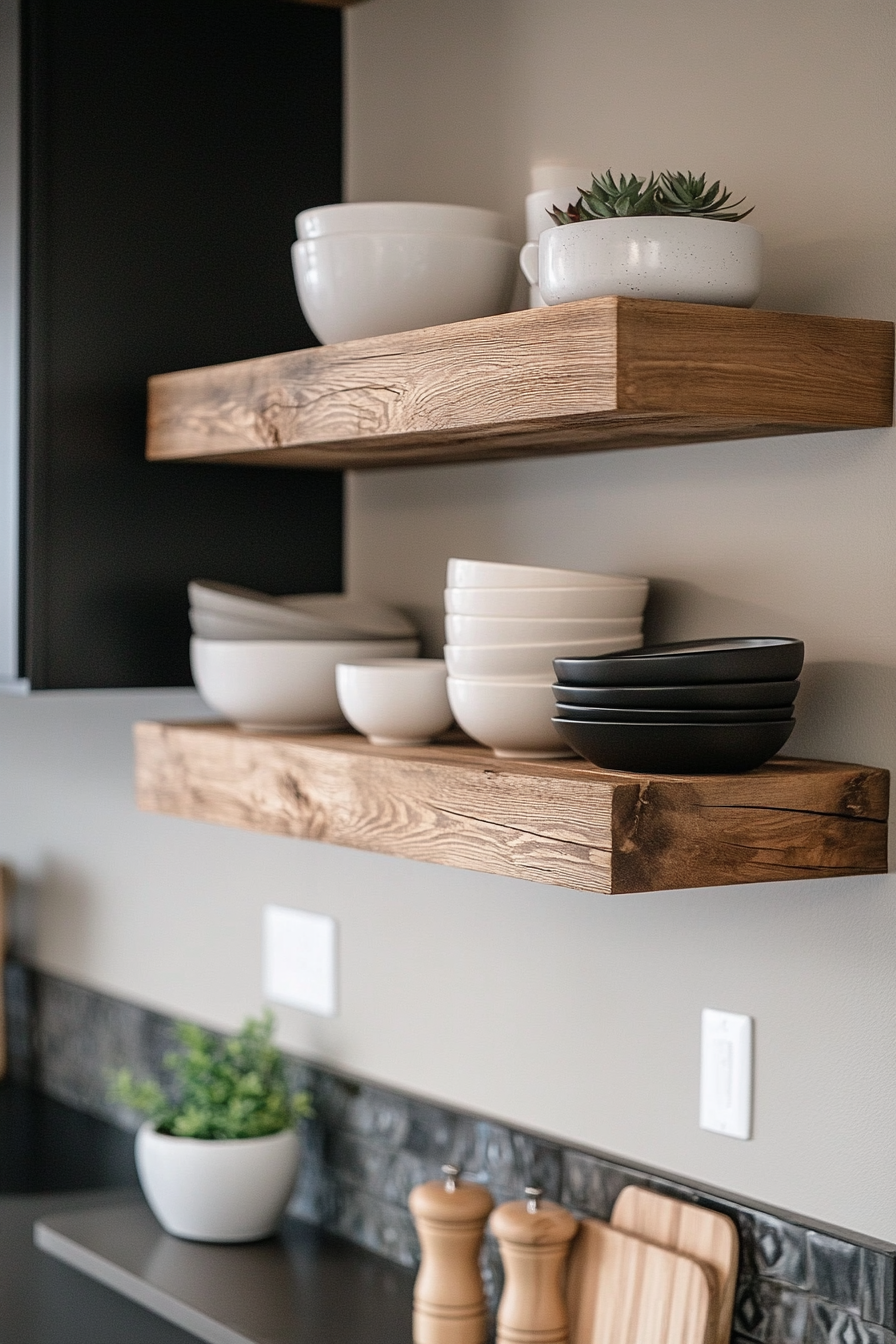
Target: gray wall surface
570,1013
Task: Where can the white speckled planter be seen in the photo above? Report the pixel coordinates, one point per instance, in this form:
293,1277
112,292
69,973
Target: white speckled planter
217,1189
656,257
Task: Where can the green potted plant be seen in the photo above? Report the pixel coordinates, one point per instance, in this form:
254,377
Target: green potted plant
218,1156
667,237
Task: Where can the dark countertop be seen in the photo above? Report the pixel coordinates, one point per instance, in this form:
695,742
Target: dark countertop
58,1164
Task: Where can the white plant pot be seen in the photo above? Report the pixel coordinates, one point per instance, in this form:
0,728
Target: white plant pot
217,1189
685,260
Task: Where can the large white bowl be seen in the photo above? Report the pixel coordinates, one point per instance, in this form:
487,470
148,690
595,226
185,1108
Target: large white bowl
225,1190
493,574
526,661
395,701
399,217
525,630
281,684
511,717
352,285
554,603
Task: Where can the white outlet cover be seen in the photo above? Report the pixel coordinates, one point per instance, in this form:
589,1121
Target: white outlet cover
299,958
726,1073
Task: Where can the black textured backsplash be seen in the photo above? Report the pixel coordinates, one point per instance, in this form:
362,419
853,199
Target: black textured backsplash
799,1283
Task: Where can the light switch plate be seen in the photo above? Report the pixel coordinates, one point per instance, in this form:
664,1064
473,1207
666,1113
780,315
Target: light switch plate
726,1073
299,951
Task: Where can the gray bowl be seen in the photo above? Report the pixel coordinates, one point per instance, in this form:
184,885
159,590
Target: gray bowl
688,663
675,748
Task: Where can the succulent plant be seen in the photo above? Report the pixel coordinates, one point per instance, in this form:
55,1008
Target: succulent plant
669,194
684,194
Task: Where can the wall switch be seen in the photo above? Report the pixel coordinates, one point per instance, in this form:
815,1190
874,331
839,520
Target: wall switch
726,1073
300,959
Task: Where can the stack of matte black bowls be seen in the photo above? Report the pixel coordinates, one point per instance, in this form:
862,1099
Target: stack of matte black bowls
702,707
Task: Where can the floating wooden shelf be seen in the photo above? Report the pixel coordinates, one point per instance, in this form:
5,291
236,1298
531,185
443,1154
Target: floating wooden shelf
605,373
562,822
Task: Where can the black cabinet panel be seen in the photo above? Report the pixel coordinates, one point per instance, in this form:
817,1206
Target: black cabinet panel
167,146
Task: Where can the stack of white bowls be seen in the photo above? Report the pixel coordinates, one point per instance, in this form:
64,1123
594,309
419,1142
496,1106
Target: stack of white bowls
376,267
505,624
269,663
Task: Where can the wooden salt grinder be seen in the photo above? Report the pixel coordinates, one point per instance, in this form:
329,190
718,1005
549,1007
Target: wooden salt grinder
449,1304
534,1239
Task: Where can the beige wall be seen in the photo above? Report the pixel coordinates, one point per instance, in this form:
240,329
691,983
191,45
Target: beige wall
576,1014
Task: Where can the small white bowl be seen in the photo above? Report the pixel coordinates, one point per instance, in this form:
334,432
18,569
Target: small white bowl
352,285
554,603
524,630
511,717
399,217
395,702
288,685
491,574
530,661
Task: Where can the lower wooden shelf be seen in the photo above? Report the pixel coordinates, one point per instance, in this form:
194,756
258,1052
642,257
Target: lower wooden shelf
561,822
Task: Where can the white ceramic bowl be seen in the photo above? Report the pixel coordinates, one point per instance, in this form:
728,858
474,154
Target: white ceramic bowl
353,285
281,684
526,630
217,1189
395,701
399,217
511,717
226,611
526,661
492,574
686,260
554,603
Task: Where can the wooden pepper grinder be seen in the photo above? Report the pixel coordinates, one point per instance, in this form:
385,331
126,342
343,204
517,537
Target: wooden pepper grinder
534,1238
449,1304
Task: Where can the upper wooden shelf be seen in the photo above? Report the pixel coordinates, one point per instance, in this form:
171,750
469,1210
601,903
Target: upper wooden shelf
561,822
604,373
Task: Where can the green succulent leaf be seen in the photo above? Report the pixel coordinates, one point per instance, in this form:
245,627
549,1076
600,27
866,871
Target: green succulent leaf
223,1089
669,194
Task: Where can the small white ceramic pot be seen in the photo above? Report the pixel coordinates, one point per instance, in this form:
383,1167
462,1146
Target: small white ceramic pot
682,259
217,1189
396,702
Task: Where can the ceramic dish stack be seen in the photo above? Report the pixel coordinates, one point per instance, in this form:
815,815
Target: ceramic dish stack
270,662
717,706
505,624
370,268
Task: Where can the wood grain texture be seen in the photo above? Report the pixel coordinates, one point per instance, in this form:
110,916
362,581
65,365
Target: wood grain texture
561,822
623,1290
703,1234
603,373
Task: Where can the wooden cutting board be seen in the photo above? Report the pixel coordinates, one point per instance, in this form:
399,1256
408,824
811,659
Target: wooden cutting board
703,1234
622,1289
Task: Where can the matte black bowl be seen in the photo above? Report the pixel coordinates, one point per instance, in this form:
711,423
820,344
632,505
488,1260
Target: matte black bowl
600,714
675,748
720,695
688,663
